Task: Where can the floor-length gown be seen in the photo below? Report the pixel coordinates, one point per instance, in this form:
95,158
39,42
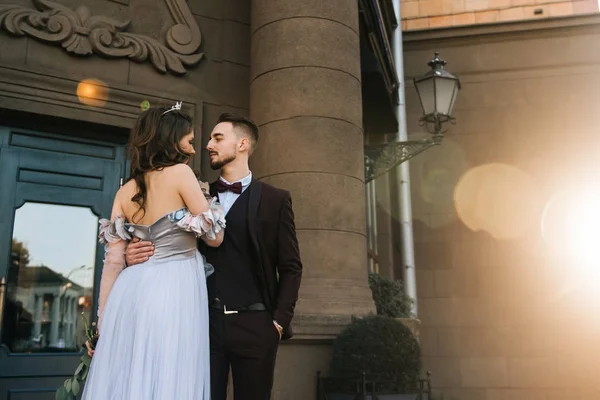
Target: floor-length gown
154,323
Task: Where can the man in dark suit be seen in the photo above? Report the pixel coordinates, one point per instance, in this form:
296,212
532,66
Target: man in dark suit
253,291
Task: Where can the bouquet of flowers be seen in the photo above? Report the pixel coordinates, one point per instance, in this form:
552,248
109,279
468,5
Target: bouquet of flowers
72,386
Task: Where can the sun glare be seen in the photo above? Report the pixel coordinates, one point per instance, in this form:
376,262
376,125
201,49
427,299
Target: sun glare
570,226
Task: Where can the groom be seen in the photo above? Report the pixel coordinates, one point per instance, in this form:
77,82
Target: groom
253,291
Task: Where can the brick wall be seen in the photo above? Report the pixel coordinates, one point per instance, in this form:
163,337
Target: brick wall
425,14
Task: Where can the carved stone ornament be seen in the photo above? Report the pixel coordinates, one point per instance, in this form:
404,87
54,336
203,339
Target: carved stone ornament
84,34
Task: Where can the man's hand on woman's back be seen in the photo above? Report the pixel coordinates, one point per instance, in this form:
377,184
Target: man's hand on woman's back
138,252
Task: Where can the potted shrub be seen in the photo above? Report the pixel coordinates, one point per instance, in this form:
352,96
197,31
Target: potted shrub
391,301
374,354
389,297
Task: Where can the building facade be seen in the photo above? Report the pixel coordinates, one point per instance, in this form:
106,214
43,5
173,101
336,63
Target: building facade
316,77
74,76
505,273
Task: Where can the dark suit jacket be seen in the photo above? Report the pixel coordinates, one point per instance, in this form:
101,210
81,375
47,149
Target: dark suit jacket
277,257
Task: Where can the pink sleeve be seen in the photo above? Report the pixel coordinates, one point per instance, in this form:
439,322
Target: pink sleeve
114,235
208,223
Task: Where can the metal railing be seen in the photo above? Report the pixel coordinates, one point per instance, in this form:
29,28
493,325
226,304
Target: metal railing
370,388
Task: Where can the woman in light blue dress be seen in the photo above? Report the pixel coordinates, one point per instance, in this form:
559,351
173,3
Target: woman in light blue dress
153,316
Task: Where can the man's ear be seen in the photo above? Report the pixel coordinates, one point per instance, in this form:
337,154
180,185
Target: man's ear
244,144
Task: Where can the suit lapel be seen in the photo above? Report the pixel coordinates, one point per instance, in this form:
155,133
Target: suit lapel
254,192
253,204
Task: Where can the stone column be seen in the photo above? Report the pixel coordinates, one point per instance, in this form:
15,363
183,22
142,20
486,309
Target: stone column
37,316
305,95
74,319
66,334
54,320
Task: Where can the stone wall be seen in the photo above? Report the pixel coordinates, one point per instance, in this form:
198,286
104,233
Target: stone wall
38,75
425,14
505,313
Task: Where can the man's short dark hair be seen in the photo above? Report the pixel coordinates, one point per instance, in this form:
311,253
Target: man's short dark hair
244,123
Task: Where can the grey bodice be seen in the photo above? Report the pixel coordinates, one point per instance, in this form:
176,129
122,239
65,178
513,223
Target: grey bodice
169,239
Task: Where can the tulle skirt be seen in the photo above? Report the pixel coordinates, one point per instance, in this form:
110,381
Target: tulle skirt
154,336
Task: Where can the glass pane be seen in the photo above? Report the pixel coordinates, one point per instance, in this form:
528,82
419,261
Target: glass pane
444,95
426,94
50,279
454,95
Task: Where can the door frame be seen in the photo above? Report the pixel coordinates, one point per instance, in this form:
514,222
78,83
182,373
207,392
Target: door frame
33,149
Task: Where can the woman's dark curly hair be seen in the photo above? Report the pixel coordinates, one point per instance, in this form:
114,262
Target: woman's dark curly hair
154,145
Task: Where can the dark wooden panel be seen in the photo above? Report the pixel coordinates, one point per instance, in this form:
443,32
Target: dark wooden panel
45,142
50,178
8,179
38,388
30,365
62,163
38,394
58,195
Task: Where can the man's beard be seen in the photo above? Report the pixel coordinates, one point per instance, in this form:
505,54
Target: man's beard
218,164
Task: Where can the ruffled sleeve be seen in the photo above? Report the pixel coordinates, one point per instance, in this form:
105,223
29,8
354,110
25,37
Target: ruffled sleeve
208,223
113,231
114,236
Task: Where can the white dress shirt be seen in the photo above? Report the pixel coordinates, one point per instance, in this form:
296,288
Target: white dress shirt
228,198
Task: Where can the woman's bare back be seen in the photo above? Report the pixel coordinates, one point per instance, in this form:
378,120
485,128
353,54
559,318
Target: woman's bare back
164,194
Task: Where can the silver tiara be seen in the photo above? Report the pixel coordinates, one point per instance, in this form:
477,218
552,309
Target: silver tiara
176,107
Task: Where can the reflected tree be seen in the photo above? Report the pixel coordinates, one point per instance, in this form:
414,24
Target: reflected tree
20,252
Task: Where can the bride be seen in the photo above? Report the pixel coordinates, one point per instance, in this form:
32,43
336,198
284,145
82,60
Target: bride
153,317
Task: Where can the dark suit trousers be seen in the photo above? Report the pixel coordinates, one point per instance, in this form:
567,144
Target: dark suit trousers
248,343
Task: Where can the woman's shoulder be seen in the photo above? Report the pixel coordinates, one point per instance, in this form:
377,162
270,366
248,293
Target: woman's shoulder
179,169
127,190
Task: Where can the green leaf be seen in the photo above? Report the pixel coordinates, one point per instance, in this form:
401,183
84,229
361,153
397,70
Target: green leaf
61,394
84,374
68,384
86,359
79,368
75,387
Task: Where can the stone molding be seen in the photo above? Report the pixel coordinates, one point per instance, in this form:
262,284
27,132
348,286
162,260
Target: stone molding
83,34
499,31
47,93
326,328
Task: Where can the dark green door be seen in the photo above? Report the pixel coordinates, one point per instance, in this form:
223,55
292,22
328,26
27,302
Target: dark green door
53,190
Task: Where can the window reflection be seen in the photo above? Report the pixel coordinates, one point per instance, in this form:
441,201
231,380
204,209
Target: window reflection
50,278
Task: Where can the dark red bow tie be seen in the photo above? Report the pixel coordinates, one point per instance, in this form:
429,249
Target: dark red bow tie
233,188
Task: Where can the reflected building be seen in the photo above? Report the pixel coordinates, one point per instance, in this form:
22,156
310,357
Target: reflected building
54,302
44,311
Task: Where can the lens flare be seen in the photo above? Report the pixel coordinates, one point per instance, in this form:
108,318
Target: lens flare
570,225
499,199
92,92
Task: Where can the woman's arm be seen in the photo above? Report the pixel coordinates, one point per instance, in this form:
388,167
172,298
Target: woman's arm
115,237
195,201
